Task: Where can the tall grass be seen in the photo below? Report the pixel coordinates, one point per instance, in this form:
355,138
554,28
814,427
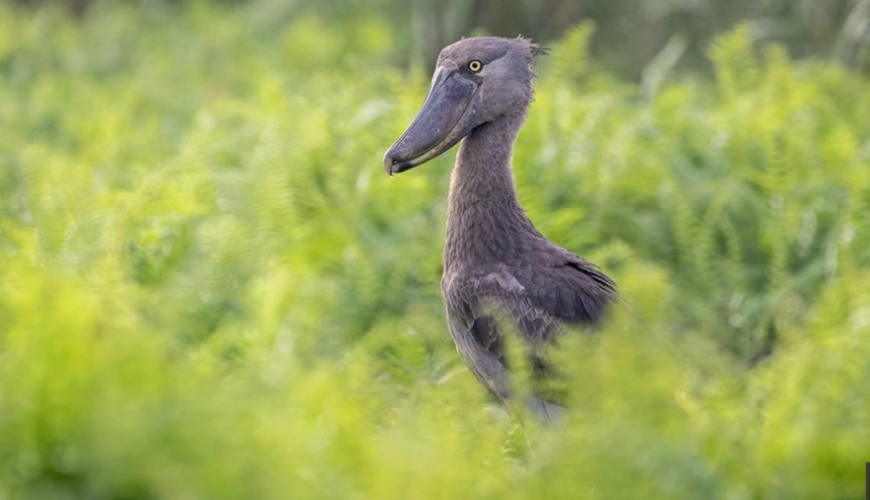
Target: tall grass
211,290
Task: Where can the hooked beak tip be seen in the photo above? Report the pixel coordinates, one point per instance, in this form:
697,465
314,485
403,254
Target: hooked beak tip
394,166
389,163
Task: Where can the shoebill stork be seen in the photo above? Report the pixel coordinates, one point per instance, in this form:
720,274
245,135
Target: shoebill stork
496,264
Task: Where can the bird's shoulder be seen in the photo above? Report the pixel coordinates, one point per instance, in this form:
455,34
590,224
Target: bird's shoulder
484,298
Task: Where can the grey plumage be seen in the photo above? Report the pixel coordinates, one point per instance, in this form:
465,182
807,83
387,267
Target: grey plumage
497,266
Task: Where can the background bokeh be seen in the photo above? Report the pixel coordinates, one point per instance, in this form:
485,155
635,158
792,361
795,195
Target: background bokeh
210,289
630,32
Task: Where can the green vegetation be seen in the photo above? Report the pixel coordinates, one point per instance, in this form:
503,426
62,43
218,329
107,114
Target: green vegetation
211,290
632,33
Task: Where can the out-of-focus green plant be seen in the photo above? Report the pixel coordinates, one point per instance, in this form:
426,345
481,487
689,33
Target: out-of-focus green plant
634,37
211,290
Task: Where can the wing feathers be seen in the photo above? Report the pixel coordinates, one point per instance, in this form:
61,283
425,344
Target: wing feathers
539,298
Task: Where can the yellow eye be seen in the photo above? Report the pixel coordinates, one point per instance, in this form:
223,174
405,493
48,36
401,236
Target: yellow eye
475,66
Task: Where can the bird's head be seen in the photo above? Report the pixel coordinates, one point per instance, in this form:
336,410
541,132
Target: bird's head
476,80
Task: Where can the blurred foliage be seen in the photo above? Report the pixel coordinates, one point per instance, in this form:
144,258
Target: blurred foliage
211,290
631,34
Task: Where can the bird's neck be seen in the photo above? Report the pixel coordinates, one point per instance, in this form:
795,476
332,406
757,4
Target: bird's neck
484,217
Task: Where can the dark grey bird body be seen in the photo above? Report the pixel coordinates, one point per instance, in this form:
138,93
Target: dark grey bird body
497,266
